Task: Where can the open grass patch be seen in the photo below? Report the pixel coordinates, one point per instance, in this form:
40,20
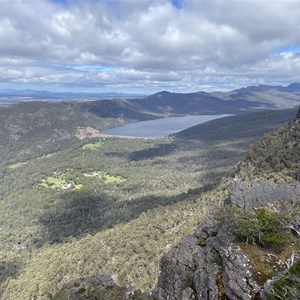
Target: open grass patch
47,155
113,179
106,177
23,163
92,146
60,183
17,165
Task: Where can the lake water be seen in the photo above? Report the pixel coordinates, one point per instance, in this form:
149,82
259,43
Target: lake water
160,127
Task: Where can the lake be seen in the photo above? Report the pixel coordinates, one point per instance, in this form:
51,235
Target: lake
159,128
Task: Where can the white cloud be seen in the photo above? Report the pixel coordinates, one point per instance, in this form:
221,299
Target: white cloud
149,44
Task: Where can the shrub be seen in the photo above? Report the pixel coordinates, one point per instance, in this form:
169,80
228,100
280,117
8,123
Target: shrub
271,231
288,285
263,227
243,224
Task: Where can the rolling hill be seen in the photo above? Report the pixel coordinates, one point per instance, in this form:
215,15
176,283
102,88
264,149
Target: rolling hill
165,103
268,96
36,128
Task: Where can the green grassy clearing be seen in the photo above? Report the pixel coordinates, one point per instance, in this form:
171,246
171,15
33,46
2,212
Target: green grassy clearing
60,183
107,178
92,146
113,179
17,165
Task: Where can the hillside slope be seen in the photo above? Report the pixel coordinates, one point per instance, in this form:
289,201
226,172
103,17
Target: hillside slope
35,128
248,124
107,205
247,248
276,96
164,103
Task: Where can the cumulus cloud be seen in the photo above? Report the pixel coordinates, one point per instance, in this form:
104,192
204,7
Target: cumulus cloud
149,45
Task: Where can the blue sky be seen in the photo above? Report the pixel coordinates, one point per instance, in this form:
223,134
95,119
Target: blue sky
144,46
177,3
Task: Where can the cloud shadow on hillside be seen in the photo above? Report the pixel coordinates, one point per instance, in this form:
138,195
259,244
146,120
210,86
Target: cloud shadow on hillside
150,153
9,268
80,214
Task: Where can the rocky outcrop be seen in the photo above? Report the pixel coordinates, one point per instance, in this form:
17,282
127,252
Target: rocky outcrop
206,266
210,264
263,194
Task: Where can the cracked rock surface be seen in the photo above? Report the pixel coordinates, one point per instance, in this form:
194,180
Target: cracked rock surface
209,264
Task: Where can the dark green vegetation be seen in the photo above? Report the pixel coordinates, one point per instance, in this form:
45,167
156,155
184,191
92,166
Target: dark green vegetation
264,227
247,126
288,285
120,227
277,156
137,198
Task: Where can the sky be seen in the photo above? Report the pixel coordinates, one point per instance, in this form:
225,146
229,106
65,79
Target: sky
143,46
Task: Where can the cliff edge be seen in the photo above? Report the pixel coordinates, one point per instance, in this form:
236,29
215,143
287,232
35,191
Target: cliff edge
247,248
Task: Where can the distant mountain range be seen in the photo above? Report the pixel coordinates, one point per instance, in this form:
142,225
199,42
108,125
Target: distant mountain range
11,96
270,96
165,104
162,104
68,95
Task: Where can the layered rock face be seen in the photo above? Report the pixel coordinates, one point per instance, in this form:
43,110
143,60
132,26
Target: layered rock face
211,264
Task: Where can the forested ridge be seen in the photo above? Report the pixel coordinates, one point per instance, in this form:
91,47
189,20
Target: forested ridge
247,247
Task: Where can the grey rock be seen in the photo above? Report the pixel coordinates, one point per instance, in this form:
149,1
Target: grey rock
219,267
176,269
264,194
298,116
216,265
188,294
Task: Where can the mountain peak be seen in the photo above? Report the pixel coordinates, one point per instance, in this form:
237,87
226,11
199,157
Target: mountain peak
293,87
294,84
